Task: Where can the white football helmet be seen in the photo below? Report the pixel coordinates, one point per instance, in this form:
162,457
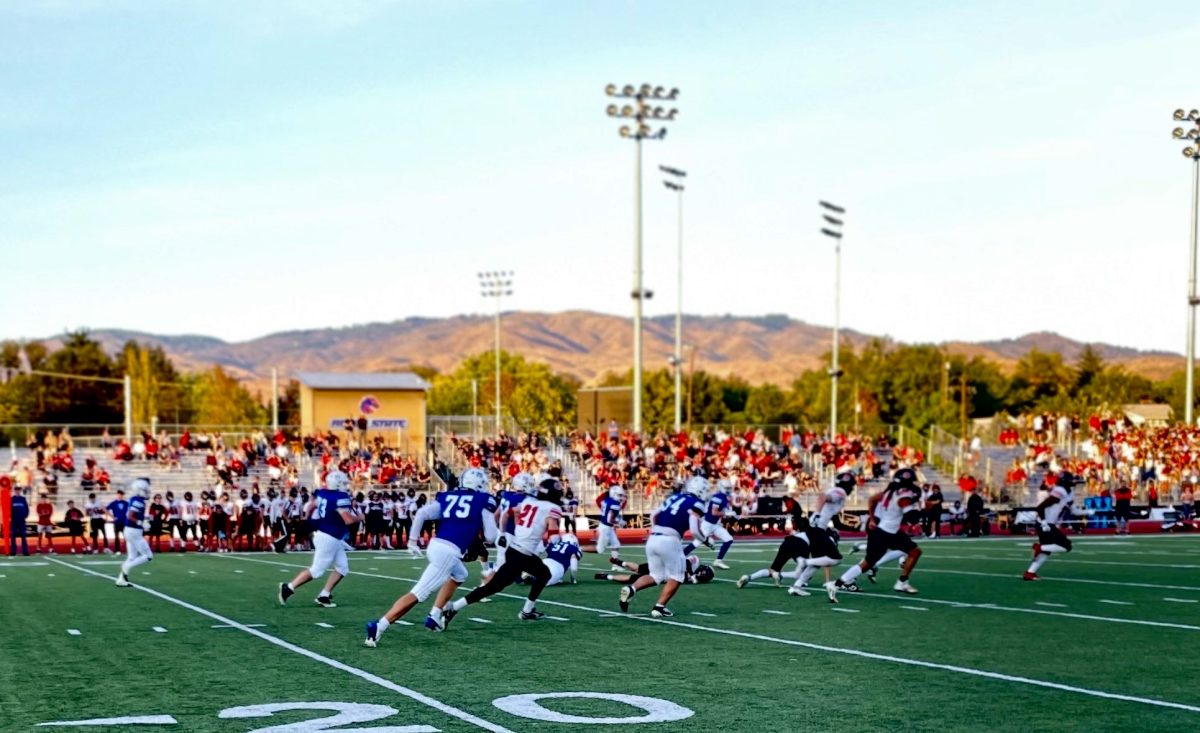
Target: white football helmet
617,492
697,486
569,538
725,485
524,483
140,487
475,479
337,481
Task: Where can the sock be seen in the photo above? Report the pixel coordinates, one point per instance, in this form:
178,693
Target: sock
689,548
850,575
724,549
760,574
1038,562
383,625
289,587
903,578
435,613
632,590
528,607
616,558
459,605
805,575
889,556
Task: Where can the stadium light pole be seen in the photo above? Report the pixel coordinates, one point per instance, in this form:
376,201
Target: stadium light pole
1192,151
496,285
677,357
833,230
645,113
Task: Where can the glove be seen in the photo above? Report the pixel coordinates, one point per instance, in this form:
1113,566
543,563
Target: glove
502,541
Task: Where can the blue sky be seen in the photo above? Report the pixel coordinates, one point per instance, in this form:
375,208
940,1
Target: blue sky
237,167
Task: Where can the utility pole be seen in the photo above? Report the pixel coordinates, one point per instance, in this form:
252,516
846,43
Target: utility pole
496,285
833,230
1193,152
677,357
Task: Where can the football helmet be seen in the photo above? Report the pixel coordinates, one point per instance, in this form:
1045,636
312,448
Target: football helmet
568,538
550,490
846,480
697,486
725,485
474,479
140,487
524,483
1066,479
337,481
905,477
617,492
704,574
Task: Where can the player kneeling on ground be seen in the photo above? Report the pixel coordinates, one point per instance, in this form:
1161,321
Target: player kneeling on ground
694,572
1051,512
562,558
664,553
135,519
461,513
886,511
331,509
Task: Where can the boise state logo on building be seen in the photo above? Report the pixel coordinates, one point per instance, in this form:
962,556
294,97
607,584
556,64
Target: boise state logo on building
368,405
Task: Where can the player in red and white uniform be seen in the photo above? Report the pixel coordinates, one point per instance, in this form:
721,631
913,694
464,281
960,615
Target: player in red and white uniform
822,536
1053,510
536,518
886,511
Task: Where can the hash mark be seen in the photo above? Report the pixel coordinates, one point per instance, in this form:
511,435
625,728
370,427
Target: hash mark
480,620
844,610
74,632
160,629
702,613
1051,605
915,608
558,618
1172,600
324,625
1116,603
777,613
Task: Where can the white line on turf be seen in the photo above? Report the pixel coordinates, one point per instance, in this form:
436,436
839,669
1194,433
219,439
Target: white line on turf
227,626
1011,576
402,622
320,658
109,722
702,613
915,608
558,618
49,575
777,613
74,632
160,630
1115,603
859,653
479,620
1051,605
324,625
1172,600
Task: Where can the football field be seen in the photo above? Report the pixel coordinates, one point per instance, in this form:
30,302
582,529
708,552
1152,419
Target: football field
1107,641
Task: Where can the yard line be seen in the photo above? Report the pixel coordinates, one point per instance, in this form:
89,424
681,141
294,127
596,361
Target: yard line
191,572
227,626
328,661
238,571
1016,576
558,618
160,630
74,632
1181,600
1070,561
402,622
108,722
777,613
702,613
915,608
22,564
49,575
849,652
324,625
1051,605
479,620
1116,603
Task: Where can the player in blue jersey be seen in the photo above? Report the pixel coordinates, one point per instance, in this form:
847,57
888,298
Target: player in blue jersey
118,508
610,521
461,513
562,558
523,485
331,511
679,514
136,546
711,524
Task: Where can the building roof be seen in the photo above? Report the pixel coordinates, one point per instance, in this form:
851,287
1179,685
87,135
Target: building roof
363,380
1151,412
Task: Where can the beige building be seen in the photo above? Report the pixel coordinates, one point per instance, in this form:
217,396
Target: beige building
393,405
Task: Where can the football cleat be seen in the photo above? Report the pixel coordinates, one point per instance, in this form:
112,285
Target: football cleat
623,600
720,564
122,581
534,615
285,593
372,639
743,581
1037,549
601,576
1030,576
831,590
795,591
871,574
851,587
902,586
448,615
661,612
774,577
325,602
435,624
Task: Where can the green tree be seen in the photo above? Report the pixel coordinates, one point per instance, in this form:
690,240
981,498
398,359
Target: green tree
218,398
535,396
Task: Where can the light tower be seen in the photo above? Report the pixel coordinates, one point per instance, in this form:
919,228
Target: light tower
677,356
496,285
833,230
1192,151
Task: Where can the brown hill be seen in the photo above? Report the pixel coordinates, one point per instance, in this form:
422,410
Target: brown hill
587,345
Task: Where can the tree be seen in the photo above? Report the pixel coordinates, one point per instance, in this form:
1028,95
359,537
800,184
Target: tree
220,399
64,400
1038,379
535,396
1089,366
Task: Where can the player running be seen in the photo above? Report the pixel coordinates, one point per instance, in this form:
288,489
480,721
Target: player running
136,547
332,512
822,535
610,520
461,513
523,486
536,518
711,525
1053,510
886,511
679,514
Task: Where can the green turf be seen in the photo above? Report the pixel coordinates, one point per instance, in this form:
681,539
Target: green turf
978,615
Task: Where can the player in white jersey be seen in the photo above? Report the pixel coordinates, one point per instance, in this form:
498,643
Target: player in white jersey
886,511
189,520
277,511
523,485
536,518
822,535
1053,510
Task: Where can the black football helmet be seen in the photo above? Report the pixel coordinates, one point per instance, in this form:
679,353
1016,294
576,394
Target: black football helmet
1067,480
550,489
846,480
905,477
704,574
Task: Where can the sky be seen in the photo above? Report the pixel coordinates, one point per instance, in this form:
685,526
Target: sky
240,167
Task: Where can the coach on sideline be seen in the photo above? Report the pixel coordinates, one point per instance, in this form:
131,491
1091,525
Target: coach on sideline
17,515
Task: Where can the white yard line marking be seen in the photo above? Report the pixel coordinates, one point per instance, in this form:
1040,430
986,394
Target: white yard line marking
74,632
558,618
145,572
99,562
324,625
227,626
1064,560
915,608
238,571
479,620
20,564
1051,605
191,572
322,659
49,575
702,613
402,622
159,629
872,655
109,722
1172,600
777,613
1012,576
1116,603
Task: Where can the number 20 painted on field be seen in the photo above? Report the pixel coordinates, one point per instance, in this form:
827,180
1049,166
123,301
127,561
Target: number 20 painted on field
655,710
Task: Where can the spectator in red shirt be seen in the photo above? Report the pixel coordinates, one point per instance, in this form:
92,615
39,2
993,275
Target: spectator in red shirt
45,525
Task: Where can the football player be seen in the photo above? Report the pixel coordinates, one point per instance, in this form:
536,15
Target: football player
610,520
711,525
679,514
1053,510
461,513
136,547
536,517
331,510
886,511
694,572
821,533
794,548
523,485
562,558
